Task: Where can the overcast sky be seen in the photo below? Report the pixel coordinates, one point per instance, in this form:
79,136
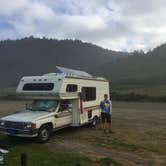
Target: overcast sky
124,25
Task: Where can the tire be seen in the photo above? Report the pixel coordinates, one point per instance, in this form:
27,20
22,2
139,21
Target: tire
11,137
44,134
95,121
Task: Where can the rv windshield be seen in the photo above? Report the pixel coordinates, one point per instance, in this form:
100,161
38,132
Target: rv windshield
44,105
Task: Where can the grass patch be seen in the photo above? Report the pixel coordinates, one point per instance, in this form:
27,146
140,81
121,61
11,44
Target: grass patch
8,94
124,145
109,161
118,144
39,155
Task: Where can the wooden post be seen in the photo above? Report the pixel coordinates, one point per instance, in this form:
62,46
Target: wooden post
23,159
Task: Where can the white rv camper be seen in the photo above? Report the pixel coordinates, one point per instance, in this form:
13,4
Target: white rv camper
66,98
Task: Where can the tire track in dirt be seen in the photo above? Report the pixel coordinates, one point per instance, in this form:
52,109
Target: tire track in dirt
96,152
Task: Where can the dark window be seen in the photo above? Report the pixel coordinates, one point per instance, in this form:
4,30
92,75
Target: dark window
64,105
71,88
89,114
88,93
38,86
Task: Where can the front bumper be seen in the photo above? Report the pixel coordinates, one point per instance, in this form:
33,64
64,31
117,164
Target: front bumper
20,133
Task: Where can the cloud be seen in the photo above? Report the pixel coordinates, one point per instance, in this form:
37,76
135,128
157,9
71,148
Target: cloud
118,25
8,7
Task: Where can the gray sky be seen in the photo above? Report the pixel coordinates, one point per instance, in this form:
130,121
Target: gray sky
124,25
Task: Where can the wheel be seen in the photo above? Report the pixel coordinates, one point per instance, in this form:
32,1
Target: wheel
44,134
11,137
95,120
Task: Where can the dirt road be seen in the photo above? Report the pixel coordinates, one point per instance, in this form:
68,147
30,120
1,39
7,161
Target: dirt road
139,136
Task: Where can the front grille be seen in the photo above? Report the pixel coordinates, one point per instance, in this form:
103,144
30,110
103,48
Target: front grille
15,125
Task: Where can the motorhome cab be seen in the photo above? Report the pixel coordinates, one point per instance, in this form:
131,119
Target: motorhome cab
65,98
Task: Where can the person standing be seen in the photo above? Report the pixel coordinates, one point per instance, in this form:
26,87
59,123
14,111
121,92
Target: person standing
106,113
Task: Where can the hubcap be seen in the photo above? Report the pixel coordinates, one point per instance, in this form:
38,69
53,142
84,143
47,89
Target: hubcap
94,122
44,134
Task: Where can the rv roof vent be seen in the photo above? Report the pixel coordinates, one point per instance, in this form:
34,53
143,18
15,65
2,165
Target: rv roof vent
71,72
100,78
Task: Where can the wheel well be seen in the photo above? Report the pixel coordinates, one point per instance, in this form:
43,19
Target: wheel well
95,117
47,124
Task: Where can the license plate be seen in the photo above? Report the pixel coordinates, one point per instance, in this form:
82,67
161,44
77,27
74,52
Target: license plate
12,131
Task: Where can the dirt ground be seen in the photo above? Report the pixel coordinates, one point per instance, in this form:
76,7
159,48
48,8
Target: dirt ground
138,138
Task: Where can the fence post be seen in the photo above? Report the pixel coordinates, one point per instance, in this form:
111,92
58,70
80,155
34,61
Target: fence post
23,159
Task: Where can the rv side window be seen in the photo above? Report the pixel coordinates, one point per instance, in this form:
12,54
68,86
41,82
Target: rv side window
89,93
38,86
71,88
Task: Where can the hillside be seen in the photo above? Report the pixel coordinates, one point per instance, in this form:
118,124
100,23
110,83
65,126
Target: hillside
31,56
140,68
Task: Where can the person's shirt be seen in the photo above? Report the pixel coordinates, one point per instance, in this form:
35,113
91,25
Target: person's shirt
106,106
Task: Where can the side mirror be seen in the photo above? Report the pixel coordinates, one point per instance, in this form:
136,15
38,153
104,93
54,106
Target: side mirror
70,106
28,106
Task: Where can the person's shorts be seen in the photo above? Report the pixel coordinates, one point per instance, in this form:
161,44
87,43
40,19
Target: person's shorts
105,117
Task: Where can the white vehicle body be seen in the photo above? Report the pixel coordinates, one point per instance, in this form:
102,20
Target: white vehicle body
81,94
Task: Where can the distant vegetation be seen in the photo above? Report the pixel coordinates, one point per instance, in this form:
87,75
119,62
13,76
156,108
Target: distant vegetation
137,97
32,56
141,93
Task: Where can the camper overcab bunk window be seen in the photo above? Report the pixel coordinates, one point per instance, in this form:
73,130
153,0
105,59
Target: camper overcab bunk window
65,98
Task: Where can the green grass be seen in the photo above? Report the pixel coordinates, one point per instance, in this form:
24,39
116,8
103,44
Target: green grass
39,155
148,142
118,144
108,162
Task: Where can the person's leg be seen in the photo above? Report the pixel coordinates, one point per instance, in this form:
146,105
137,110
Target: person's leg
107,122
110,124
104,123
